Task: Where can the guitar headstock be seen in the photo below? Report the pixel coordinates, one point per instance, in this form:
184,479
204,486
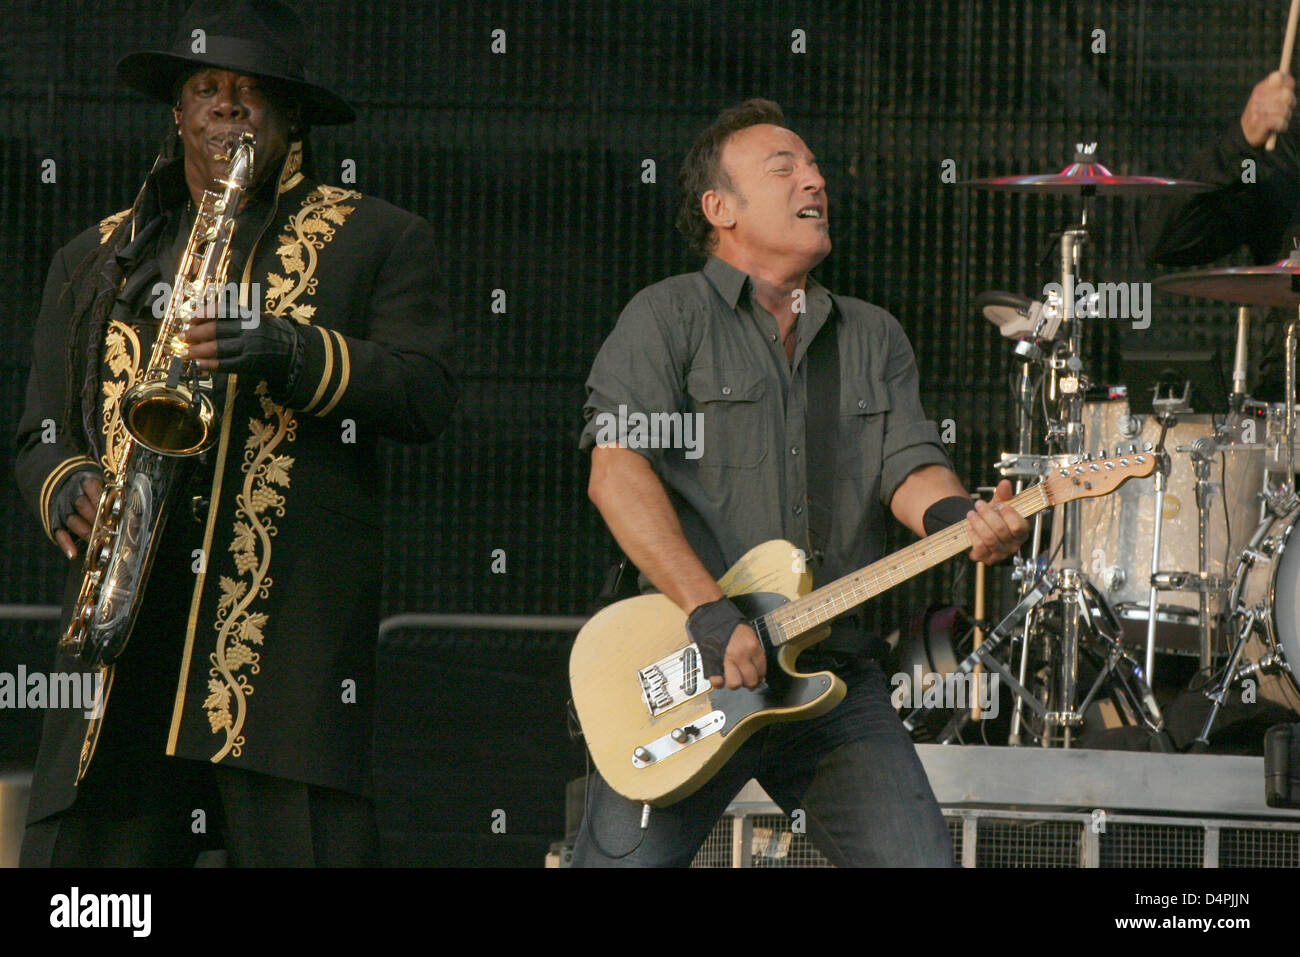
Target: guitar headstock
1090,478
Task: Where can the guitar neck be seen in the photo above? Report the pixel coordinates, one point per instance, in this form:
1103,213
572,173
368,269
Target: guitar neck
834,599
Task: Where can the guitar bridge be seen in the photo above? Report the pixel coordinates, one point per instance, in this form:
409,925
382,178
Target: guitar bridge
672,681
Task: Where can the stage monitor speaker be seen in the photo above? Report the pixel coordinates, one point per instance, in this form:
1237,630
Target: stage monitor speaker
472,750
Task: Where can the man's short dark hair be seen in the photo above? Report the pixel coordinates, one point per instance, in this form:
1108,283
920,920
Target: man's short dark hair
702,169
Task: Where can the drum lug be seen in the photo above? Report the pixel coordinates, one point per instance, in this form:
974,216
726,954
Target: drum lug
1129,426
1113,578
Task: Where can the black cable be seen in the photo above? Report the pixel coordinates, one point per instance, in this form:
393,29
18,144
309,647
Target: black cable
575,732
590,824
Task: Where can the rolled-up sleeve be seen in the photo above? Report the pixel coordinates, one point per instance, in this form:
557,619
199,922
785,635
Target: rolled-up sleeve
911,440
639,371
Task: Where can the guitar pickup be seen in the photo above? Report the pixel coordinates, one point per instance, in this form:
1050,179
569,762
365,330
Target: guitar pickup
690,670
672,681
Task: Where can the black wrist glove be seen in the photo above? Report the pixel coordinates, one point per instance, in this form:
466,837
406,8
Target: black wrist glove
62,502
945,512
269,350
710,626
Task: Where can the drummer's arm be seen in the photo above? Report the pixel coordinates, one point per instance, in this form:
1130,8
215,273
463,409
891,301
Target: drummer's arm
1260,189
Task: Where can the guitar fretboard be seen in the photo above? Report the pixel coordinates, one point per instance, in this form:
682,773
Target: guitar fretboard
831,600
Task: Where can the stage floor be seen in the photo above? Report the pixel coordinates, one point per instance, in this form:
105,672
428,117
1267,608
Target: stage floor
1038,807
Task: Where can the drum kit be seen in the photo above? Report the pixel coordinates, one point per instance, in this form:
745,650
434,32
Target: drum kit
1196,560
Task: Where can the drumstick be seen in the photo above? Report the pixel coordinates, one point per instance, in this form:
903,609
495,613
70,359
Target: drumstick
1288,46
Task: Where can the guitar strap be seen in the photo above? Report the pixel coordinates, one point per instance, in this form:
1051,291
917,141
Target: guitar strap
821,435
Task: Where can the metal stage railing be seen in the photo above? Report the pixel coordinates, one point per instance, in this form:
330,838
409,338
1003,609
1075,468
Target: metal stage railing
550,623
29,612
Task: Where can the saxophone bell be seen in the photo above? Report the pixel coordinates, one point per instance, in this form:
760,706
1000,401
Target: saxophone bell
177,420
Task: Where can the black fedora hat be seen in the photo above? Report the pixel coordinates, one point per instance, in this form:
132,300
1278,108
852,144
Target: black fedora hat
263,38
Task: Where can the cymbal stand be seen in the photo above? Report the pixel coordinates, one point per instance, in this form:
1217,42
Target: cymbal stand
1167,417
1076,592
1073,580
1028,571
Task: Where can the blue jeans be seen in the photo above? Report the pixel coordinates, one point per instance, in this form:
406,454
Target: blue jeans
853,772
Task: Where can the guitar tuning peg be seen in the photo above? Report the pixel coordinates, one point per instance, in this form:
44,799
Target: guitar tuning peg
1102,454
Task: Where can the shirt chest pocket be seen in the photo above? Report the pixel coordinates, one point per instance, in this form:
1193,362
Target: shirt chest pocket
730,402
863,406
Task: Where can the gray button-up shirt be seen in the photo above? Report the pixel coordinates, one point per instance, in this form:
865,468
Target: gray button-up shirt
695,378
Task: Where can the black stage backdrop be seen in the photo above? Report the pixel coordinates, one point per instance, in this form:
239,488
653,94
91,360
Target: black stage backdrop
549,170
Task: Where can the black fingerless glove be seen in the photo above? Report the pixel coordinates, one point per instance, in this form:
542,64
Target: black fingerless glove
63,501
269,350
710,626
945,512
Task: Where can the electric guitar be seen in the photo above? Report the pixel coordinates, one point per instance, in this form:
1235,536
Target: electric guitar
657,729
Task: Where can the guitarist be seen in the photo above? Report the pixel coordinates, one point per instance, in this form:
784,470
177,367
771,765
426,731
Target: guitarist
730,346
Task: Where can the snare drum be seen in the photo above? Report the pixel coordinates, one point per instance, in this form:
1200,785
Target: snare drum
1116,531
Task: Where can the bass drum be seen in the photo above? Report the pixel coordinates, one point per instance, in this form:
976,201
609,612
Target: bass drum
1268,583
1116,531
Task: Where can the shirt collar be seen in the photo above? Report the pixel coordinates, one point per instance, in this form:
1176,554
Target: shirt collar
731,283
726,279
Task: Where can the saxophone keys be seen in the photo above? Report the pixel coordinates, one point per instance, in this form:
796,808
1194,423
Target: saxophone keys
111,504
103,554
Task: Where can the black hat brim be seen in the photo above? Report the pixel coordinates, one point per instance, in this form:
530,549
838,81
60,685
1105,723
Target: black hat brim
154,73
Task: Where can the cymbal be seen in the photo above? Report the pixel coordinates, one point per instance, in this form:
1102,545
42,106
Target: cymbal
1090,176
1275,285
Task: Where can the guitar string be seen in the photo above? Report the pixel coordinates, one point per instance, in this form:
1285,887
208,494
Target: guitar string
932,550
857,587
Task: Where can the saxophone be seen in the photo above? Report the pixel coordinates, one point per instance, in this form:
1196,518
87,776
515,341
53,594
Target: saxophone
169,416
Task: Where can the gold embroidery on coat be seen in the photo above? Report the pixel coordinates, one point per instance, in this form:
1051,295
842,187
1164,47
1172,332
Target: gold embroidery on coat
308,231
122,354
239,628
290,175
110,223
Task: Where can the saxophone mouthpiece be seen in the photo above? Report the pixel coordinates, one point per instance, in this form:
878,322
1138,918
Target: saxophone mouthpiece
225,144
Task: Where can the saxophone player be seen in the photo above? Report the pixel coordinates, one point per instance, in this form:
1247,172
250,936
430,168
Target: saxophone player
245,691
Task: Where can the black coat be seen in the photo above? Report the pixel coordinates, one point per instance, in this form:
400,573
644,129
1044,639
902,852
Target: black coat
263,657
